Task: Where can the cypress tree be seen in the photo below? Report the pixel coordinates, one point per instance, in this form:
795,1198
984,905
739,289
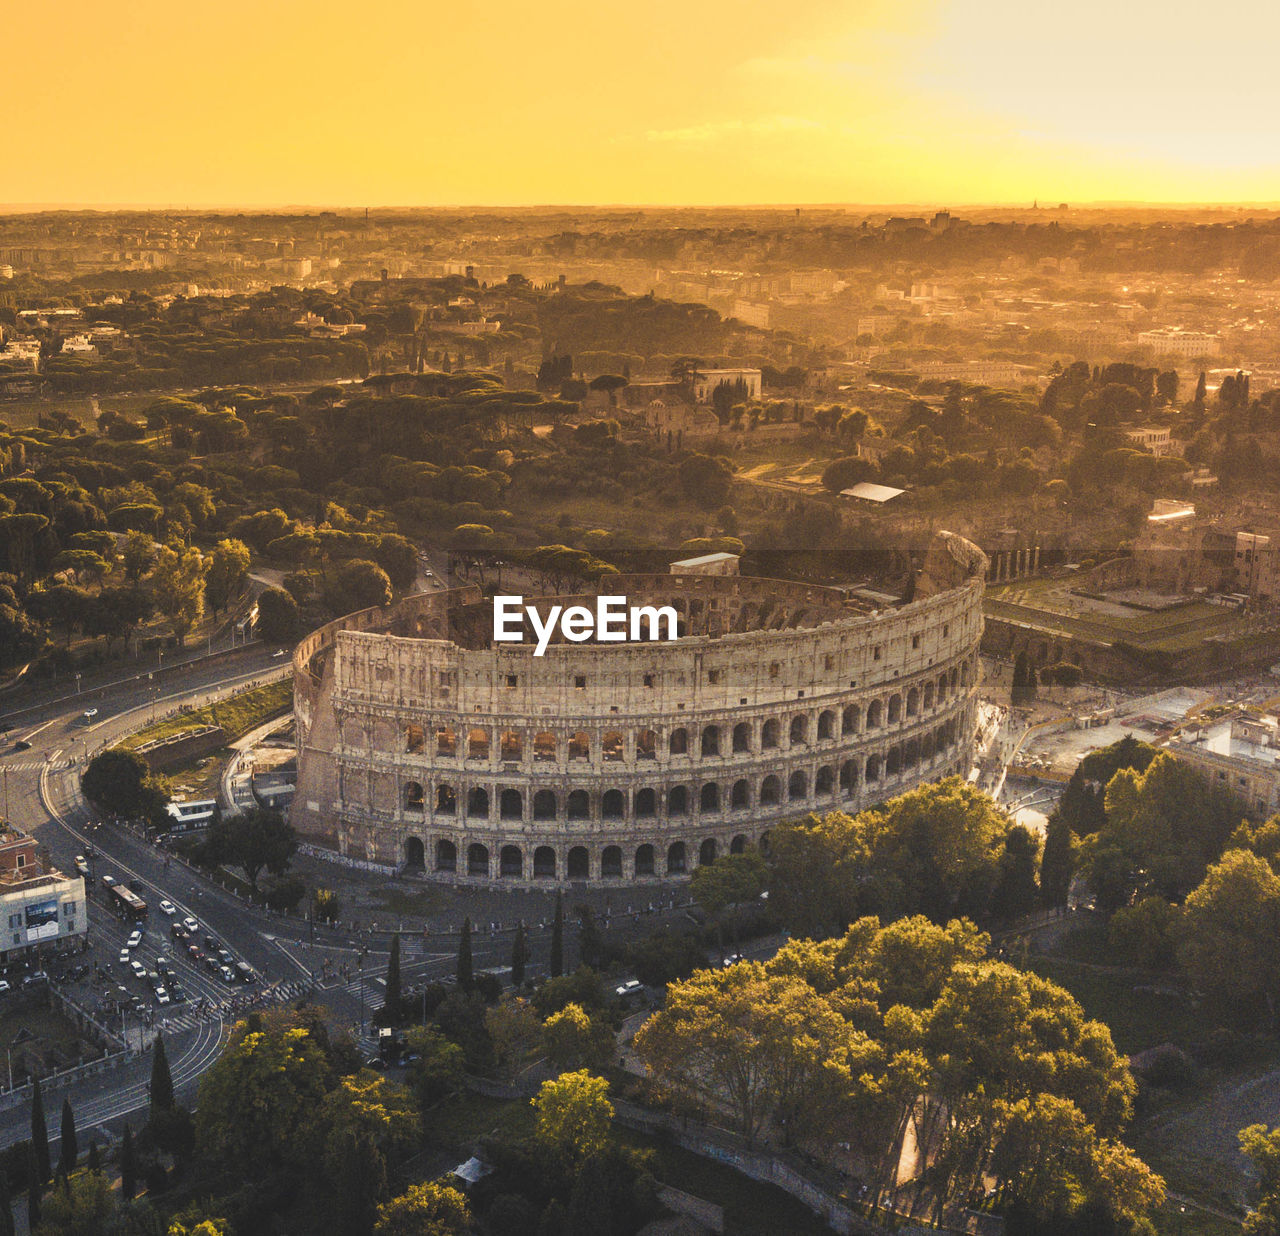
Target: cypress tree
161,1080
391,1005
40,1137
519,956
33,1190
6,1205
557,939
69,1150
1057,864
95,1158
128,1167
464,956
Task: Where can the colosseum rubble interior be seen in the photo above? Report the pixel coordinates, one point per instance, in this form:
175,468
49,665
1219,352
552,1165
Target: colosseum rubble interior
424,744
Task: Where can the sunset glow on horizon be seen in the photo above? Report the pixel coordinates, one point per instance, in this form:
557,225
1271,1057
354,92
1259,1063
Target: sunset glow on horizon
716,101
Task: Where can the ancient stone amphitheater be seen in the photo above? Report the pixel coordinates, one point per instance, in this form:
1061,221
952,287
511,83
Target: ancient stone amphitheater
423,743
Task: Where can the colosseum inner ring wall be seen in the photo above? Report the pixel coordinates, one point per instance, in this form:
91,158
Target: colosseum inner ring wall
423,743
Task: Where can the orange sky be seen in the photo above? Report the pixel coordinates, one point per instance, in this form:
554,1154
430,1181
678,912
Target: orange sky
407,102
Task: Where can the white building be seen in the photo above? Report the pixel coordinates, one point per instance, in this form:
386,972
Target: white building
705,382
1154,438
1240,753
40,911
1174,341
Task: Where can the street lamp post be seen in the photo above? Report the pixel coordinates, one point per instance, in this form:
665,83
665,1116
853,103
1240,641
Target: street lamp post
360,967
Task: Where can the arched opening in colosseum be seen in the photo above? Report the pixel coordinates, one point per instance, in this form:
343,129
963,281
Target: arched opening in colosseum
578,805
874,713
678,800
612,805
446,856
544,863
769,734
928,696
611,863
709,799
678,744
765,847
825,781
770,791
478,745
849,720
893,762
477,859
646,803
738,845
646,745
942,689
611,746
848,777
928,746
710,741
511,805
544,805
911,753
707,852
446,799
895,709
579,746
413,738
742,737
953,680
740,796
913,702
446,741
578,866
826,725
415,853
677,863
544,746
873,768
799,730
797,786
511,862
413,796
644,860
512,746
478,803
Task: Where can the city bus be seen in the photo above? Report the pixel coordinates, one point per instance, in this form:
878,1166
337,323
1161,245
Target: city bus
126,903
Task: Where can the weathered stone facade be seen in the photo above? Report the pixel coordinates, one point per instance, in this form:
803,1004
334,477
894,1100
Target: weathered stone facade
421,742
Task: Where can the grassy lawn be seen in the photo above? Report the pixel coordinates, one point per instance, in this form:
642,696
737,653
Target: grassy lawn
237,715
200,778
1171,1220
417,902
461,1121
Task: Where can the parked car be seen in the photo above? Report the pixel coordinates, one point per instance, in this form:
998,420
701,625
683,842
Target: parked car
190,924
168,909
108,881
125,958
139,970
134,939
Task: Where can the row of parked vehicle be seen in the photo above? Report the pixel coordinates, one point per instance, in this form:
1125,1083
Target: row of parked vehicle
214,956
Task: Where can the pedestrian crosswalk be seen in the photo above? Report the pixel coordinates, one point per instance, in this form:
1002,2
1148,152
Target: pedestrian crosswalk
189,1016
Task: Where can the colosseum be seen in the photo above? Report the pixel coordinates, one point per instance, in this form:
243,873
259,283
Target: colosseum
422,743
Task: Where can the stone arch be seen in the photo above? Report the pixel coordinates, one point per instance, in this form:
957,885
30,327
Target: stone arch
544,863
511,862
678,800
826,724
911,753
611,862
913,701
511,805
740,796
769,734
825,781
873,768
797,786
875,713
579,746
478,744
709,797
611,746
710,741
738,845
742,737
512,746
646,745
478,803
578,866
893,762
477,859
928,696
799,732
446,855
953,680
644,860
928,745
414,739
848,777
849,720
544,745
678,743
446,741
446,799
415,853
677,859
613,805
942,688
544,805
895,709
770,791
578,806
707,852
646,803
413,798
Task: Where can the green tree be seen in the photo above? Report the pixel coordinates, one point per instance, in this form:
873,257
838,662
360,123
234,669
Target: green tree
68,1148
846,472
1058,862
139,555
84,1207
357,1172
720,888
573,1115
128,1166
361,585
227,574
1016,891
278,618
574,1040
254,839
425,1210
40,1137
464,970
34,1190
514,1031
1262,1148
177,582
439,1070
557,939
519,956
6,1206
161,1087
